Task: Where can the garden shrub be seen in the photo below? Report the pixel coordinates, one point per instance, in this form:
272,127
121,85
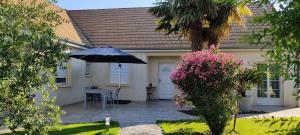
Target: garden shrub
30,52
208,79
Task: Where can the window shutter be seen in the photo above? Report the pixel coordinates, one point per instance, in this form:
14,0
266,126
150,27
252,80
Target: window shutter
114,73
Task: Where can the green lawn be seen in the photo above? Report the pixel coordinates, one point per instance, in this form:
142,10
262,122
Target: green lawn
244,127
97,128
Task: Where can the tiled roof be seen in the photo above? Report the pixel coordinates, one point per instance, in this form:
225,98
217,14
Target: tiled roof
68,29
134,28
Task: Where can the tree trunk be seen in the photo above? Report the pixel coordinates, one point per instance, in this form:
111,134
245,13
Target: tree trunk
213,38
196,38
235,116
199,36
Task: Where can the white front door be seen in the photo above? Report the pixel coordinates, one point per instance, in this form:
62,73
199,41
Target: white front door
269,91
166,87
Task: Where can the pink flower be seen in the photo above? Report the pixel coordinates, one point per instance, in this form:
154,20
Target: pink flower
205,65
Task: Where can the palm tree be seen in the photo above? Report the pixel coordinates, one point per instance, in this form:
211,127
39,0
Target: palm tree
203,22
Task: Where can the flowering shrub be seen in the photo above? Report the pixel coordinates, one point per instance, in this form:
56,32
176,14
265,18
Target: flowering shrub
208,79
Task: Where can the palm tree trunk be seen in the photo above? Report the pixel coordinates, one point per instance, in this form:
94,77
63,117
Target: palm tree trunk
196,45
213,39
196,38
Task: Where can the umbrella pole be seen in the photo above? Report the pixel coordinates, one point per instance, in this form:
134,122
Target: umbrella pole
120,75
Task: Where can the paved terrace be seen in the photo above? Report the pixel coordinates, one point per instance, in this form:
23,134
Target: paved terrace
276,111
136,113
136,118
126,114
139,117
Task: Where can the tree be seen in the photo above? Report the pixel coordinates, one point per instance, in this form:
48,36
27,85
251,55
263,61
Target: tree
30,52
282,36
202,21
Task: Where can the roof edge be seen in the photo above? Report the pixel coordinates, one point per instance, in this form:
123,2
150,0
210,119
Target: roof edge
241,47
76,44
79,29
105,9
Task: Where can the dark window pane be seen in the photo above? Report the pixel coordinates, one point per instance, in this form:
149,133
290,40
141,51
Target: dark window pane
261,93
275,94
60,80
275,84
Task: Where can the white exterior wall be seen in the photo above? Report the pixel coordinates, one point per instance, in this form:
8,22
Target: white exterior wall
135,90
250,57
140,75
72,92
288,99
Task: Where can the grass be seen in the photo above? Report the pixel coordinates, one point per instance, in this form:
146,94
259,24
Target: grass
96,128
243,127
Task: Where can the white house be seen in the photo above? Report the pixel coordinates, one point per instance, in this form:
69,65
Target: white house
132,29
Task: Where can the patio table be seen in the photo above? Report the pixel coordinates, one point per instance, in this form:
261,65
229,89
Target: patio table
102,92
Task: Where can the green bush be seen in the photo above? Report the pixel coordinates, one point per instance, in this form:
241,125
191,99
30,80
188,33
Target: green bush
209,80
30,53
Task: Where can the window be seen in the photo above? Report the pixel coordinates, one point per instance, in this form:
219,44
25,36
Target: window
270,85
87,68
114,73
61,77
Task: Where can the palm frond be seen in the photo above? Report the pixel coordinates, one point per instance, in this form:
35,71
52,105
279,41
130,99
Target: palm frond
209,17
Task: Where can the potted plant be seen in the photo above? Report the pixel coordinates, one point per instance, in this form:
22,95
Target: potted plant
245,102
296,93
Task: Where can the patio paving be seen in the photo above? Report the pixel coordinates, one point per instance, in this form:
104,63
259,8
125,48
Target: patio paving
139,118
276,111
143,129
126,114
137,113
136,118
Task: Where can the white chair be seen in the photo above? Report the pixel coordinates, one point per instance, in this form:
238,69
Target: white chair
89,96
113,96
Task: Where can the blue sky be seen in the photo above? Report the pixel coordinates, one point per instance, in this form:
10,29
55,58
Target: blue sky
102,4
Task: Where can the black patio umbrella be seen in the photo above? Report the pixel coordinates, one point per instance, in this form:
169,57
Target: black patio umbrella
107,55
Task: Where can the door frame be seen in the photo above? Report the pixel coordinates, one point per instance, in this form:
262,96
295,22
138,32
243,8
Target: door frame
158,77
268,100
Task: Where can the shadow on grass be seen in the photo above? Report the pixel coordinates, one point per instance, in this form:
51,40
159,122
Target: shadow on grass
177,122
284,132
186,131
288,126
97,128
189,131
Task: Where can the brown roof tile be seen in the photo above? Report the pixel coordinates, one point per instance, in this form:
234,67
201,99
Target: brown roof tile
68,29
134,28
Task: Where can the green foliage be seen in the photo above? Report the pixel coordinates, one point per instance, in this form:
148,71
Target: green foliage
282,36
202,21
30,51
209,81
248,126
248,78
